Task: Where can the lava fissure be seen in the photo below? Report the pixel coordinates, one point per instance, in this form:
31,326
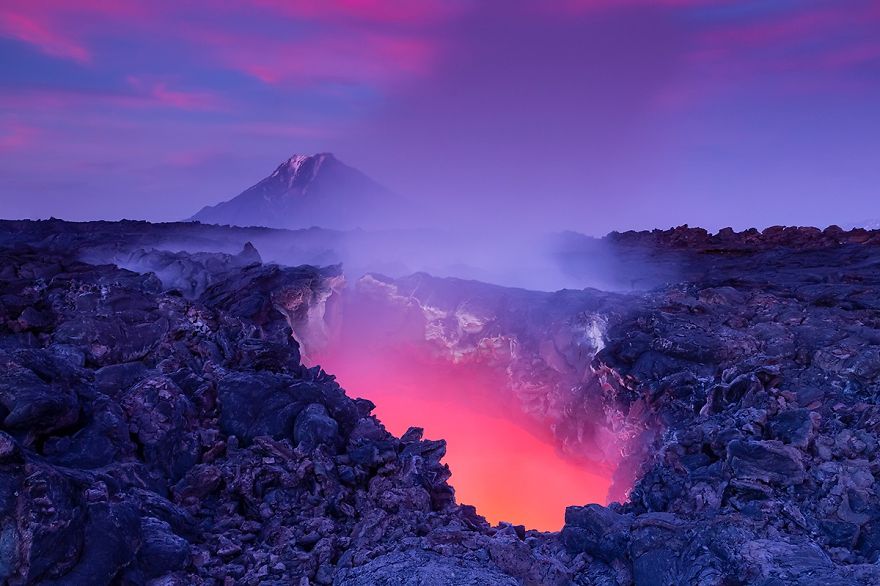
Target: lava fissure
459,362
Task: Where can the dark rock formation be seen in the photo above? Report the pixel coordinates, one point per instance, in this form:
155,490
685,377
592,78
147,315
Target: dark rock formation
759,374
153,432
150,437
743,397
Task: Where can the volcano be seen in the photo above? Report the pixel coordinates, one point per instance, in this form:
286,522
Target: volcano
309,190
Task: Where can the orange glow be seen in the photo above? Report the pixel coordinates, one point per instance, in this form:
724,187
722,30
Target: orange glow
504,465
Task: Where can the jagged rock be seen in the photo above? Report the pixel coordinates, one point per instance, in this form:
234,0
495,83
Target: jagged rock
839,533
9,450
112,538
151,433
657,543
313,427
596,530
768,461
161,552
422,569
114,379
795,427
104,438
30,403
160,419
253,405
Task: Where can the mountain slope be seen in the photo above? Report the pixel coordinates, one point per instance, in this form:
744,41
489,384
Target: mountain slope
305,191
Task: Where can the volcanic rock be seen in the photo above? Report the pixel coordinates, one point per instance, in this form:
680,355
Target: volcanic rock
149,436
154,433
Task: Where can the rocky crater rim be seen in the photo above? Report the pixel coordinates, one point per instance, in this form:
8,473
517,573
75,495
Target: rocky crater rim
544,367
173,433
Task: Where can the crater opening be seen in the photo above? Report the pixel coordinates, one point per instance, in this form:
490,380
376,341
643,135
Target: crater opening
518,405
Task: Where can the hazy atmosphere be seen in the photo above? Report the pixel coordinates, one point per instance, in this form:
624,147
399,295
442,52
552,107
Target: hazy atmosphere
440,292
589,115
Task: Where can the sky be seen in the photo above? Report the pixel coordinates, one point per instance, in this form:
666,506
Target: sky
588,115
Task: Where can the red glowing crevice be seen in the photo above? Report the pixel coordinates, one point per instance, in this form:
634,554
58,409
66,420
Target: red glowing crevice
501,461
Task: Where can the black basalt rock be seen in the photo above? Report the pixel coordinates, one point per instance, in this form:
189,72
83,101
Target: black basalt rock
160,428
768,461
262,403
314,427
598,531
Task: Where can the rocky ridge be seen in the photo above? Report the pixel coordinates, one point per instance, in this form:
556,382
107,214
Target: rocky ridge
742,400
151,438
153,434
760,375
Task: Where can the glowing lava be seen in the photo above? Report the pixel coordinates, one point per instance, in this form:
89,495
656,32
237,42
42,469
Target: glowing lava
500,463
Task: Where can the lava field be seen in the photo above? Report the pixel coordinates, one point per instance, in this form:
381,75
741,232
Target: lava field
169,413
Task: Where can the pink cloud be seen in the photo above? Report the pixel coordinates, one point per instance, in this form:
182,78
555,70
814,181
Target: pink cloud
354,41
349,41
831,34
374,42
831,28
159,94
853,55
372,11
282,130
144,95
808,50
42,35
15,136
190,159
59,27
582,6
344,57
794,27
824,42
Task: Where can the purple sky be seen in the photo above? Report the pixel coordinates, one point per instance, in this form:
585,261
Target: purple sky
581,114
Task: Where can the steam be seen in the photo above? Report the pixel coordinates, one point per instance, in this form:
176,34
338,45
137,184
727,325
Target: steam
530,260
414,360
514,400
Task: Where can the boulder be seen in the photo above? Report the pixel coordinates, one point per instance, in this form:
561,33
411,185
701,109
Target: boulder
314,427
795,427
657,543
769,461
596,530
422,568
262,403
161,551
31,403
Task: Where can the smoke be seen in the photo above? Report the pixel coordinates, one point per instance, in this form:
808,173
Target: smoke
493,253
512,258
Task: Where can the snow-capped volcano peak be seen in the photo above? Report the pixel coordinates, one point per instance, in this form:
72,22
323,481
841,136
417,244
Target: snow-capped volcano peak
301,169
293,164
307,190
297,162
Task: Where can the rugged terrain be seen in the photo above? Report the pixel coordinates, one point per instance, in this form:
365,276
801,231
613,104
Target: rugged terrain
159,425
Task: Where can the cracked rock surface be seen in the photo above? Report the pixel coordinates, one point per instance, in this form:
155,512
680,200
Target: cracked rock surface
159,427
149,437
759,372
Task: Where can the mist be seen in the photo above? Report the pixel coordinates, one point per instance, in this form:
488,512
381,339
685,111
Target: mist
539,261
387,350
442,330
